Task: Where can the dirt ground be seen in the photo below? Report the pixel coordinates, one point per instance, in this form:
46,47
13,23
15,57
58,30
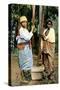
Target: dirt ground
15,73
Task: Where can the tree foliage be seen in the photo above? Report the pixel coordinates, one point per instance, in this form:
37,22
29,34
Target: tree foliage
17,10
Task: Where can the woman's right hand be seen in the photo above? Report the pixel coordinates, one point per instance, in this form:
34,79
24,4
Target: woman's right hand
33,27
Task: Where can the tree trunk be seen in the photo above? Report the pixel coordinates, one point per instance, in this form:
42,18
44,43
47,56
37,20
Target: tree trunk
33,22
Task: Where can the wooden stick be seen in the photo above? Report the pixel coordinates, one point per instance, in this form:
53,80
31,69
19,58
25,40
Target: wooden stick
33,14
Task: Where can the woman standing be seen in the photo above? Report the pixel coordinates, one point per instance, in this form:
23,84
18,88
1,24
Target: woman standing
48,48
25,49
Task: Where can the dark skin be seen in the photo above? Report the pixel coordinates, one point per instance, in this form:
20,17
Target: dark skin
24,24
49,25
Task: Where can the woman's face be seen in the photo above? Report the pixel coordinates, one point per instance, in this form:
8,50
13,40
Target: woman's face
24,24
49,25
